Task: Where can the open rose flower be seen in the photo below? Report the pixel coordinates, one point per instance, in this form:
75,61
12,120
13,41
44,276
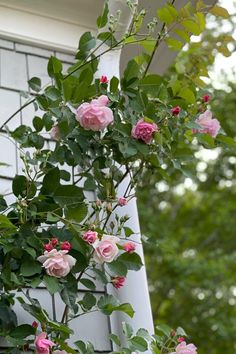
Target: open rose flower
57,263
144,131
43,344
95,115
207,124
106,249
90,236
184,348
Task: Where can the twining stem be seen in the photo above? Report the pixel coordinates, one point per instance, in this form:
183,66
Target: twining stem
159,38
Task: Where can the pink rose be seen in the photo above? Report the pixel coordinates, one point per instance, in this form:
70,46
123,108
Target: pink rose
90,236
144,131
95,115
207,124
184,348
122,201
57,263
106,249
42,344
118,282
129,247
55,132
104,79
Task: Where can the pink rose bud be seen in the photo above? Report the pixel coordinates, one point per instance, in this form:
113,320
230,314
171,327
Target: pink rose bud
54,241
180,339
43,344
207,124
129,247
184,348
106,249
122,201
206,98
175,110
55,132
48,247
98,203
66,246
103,79
57,263
109,207
144,131
95,115
118,282
35,324
90,236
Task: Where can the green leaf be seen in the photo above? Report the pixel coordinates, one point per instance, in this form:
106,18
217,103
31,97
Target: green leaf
174,44
52,284
163,328
68,195
35,84
192,26
138,343
219,11
30,267
76,213
23,187
167,14
88,283
54,67
126,308
118,268
115,339
227,140
38,124
86,43
150,83
127,329
88,301
22,331
187,94
131,260
102,19
51,181
3,204
5,223
69,294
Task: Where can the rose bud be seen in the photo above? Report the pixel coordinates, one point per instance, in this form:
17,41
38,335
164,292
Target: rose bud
129,247
35,324
180,339
48,247
90,236
206,98
122,201
175,110
54,241
66,246
103,79
118,282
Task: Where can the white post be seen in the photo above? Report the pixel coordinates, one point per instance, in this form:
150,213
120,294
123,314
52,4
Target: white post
135,290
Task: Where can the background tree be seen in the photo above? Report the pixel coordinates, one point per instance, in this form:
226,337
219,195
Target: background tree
191,221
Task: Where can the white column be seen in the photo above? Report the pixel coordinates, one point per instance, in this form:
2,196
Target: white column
135,290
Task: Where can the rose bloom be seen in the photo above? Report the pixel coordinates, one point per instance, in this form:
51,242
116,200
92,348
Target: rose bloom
207,124
55,132
106,249
184,348
57,263
43,344
175,110
118,282
90,236
129,247
95,115
122,201
144,131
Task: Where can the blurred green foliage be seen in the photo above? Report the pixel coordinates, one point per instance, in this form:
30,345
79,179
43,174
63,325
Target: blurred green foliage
190,224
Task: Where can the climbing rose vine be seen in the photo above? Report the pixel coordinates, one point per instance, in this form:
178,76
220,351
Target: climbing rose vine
68,226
